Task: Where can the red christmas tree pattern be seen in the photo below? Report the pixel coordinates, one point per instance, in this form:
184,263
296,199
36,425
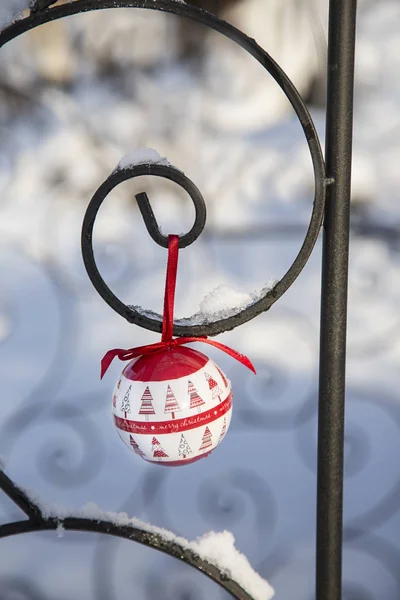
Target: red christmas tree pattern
147,404
195,400
184,448
223,432
158,451
126,405
135,447
222,377
214,387
171,404
206,441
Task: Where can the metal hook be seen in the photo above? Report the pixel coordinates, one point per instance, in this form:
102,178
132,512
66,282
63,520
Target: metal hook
149,219
151,222
117,177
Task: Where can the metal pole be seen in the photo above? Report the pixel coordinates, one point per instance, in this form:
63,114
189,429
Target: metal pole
339,124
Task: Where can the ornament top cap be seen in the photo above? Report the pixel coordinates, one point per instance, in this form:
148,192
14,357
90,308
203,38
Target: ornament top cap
171,364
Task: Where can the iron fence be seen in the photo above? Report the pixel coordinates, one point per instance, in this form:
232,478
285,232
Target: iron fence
331,207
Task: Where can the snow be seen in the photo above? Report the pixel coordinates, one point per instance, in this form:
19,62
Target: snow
222,302
10,10
148,313
142,156
90,510
60,531
217,549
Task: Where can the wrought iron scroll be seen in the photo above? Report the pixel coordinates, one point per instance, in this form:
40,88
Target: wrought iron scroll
37,521
339,120
118,176
248,44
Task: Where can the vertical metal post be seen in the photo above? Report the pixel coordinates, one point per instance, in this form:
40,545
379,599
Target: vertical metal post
339,124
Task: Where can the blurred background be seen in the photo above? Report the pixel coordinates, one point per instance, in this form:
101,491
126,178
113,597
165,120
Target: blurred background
76,96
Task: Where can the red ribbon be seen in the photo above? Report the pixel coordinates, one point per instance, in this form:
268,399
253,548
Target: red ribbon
168,322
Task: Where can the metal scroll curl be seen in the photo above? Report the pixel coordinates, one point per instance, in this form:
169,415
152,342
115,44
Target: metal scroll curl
42,12
119,175
40,16
37,521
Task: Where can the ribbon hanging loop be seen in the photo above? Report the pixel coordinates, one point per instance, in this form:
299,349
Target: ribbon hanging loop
167,341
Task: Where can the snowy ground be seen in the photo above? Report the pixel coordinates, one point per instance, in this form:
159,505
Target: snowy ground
56,433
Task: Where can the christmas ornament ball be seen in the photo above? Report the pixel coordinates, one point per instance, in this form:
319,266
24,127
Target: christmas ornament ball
172,407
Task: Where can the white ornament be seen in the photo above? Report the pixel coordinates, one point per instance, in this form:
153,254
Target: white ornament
172,407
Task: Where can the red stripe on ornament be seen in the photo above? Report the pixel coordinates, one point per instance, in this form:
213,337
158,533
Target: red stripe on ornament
176,425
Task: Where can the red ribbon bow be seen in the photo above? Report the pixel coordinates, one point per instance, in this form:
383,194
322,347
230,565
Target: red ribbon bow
168,322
